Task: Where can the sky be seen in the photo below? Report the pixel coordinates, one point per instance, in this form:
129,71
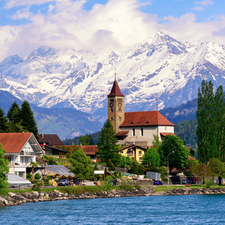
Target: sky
119,25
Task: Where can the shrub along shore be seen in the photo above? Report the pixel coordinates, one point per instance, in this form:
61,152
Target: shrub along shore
17,197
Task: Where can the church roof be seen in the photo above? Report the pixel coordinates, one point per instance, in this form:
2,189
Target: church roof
145,118
115,90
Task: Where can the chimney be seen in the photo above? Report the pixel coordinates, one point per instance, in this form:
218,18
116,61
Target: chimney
42,135
81,144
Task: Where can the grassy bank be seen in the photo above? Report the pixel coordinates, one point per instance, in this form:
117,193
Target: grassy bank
77,190
166,188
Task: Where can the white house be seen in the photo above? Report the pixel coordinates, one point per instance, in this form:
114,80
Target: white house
20,149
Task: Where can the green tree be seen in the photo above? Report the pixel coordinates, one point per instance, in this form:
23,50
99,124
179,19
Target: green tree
219,113
4,127
81,165
27,117
4,169
174,146
217,168
14,113
134,167
156,142
107,148
151,157
123,159
86,140
206,129
201,170
110,165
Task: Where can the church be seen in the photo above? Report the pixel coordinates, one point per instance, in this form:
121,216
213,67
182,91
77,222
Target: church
135,128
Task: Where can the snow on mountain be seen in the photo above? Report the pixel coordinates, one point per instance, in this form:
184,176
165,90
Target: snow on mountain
157,68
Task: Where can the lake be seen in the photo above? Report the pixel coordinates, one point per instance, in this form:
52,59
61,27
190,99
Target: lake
185,209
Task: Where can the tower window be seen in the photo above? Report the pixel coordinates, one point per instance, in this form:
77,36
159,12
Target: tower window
111,110
111,118
133,131
142,132
120,118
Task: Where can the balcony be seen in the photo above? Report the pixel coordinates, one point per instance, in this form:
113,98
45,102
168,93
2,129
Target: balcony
18,165
28,153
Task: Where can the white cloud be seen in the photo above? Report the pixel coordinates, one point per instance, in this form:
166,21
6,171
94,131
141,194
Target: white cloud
198,8
118,25
13,3
22,14
204,2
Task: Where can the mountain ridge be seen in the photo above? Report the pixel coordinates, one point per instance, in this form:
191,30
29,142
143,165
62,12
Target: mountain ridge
159,67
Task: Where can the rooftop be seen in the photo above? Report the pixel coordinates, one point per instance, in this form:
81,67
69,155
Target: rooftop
145,118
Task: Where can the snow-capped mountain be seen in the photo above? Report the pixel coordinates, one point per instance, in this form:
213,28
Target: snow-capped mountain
157,68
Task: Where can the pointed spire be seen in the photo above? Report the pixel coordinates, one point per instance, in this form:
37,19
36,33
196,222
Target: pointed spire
115,91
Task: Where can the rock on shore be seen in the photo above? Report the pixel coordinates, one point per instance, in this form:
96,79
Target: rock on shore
35,196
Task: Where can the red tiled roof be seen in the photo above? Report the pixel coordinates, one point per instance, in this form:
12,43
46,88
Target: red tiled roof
90,149
165,134
50,139
122,133
14,142
145,118
115,90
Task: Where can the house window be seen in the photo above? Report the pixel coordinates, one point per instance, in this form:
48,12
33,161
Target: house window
165,128
133,131
140,158
122,152
140,152
142,132
129,152
21,174
8,158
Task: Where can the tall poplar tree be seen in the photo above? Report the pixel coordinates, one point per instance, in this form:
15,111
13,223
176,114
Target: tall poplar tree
27,117
220,123
210,119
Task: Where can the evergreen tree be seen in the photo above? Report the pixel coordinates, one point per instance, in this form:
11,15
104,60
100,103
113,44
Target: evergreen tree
110,165
27,117
206,130
134,167
4,169
107,148
4,127
81,165
14,113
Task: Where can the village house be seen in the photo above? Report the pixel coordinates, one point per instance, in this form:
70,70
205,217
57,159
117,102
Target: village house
20,150
49,143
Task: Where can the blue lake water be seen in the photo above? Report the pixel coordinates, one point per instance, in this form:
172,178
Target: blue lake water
187,209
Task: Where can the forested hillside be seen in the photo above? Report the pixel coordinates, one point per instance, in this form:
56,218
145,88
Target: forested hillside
186,130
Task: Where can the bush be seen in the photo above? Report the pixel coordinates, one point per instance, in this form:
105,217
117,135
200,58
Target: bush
209,183
37,186
108,178
29,176
37,176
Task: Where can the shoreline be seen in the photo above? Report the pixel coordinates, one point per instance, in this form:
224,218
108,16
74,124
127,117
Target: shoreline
18,198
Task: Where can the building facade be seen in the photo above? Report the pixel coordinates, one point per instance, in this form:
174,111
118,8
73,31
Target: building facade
20,150
135,127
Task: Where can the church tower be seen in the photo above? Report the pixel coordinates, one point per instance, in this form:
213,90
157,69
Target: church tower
116,106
